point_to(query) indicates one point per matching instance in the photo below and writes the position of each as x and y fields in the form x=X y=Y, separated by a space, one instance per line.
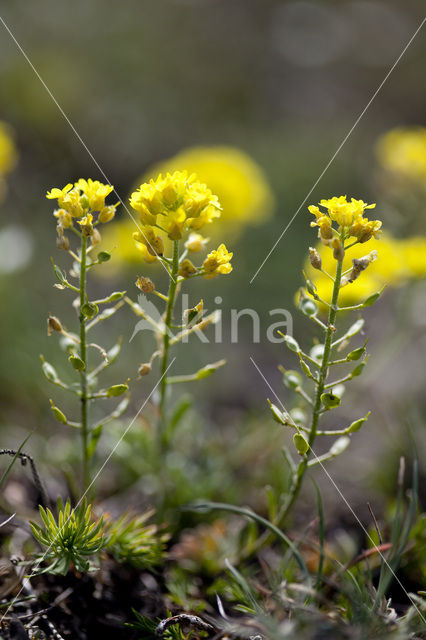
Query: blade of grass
x=254 y=516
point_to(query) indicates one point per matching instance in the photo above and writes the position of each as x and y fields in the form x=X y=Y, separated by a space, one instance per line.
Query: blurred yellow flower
x=414 y=255
x=240 y=186
x=397 y=262
x=239 y=183
x=8 y=152
x=402 y=151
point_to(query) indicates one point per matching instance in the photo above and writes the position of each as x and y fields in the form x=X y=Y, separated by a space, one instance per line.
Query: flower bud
x=338 y=250
x=315 y=258
x=145 y=284
x=53 y=324
x=186 y=269
x=300 y=443
x=144 y=369
x=106 y=214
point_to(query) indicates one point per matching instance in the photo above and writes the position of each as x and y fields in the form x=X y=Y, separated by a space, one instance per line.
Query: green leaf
x=104 y=256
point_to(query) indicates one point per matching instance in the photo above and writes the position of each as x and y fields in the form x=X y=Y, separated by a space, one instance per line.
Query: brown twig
x=184 y=619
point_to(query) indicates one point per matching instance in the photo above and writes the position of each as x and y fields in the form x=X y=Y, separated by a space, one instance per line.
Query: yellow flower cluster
x=238 y=181
x=402 y=151
x=172 y=206
x=175 y=203
x=81 y=200
x=347 y=215
x=398 y=262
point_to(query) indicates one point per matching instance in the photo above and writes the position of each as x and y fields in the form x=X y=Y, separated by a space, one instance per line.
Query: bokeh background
x=281 y=81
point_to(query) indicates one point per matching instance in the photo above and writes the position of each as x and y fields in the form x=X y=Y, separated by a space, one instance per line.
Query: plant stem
x=166 y=343
x=83 y=373
x=322 y=376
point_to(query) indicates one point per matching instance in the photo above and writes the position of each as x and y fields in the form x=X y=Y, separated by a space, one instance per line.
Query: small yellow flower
x=147 y=237
x=86 y=224
x=107 y=214
x=364 y=229
x=195 y=243
x=95 y=192
x=217 y=262
x=59 y=194
x=83 y=198
x=64 y=218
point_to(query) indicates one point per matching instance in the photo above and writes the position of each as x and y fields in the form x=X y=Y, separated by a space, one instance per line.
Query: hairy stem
x=322 y=376
x=83 y=373
x=166 y=343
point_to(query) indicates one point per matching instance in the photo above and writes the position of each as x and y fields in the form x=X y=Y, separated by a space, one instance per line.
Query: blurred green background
x=143 y=79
